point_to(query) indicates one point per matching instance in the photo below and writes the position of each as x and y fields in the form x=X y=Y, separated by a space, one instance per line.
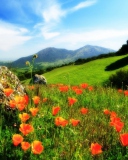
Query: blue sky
x=28 y=26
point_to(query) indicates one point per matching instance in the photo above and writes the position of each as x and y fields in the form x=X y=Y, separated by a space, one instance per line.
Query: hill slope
x=92 y=72
x=51 y=55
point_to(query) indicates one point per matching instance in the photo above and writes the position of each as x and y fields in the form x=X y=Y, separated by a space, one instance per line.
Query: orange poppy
x=37 y=147
x=36 y=99
x=21 y=107
x=55 y=110
x=106 y=111
x=24 y=117
x=34 y=111
x=84 y=110
x=84 y=85
x=119 y=126
x=71 y=101
x=20 y=100
x=90 y=88
x=120 y=90
x=124 y=139
x=25 y=145
x=17 y=139
x=12 y=104
x=59 y=121
x=116 y=122
x=126 y=93
x=96 y=148
x=26 y=128
x=74 y=122
x=45 y=99
x=26 y=99
x=63 y=88
x=113 y=114
x=74 y=88
x=8 y=91
x=78 y=91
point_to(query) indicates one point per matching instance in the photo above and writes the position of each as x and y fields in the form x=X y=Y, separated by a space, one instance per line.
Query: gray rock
x=39 y=79
x=9 y=80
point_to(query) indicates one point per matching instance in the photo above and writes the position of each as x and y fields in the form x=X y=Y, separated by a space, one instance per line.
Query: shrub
x=119 y=79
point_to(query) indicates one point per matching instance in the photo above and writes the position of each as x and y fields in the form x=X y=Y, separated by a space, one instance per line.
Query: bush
x=119 y=79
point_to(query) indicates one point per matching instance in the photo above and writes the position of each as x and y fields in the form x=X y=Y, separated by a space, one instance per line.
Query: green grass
x=68 y=142
x=92 y=72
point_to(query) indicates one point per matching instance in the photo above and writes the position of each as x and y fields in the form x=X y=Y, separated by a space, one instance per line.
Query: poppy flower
x=106 y=111
x=24 y=117
x=71 y=101
x=63 y=88
x=26 y=99
x=113 y=114
x=37 y=147
x=21 y=107
x=17 y=139
x=90 y=88
x=96 y=148
x=74 y=88
x=114 y=120
x=84 y=110
x=78 y=91
x=25 y=145
x=34 y=111
x=120 y=90
x=55 y=110
x=12 y=104
x=74 y=122
x=59 y=121
x=119 y=126
x=124 y=139
x=84 y=85
x=8 y=91
x=45 y=99
x=126 y=93
x=26 y=128
x=20 y=100
x=36 y=99
x=116 y=123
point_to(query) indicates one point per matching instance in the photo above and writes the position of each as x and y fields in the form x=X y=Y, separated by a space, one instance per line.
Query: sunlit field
x=65 y=122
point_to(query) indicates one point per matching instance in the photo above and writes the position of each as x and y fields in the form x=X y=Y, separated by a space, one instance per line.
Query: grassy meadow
x=65 y=122
x=92 y=72
x=72 y=118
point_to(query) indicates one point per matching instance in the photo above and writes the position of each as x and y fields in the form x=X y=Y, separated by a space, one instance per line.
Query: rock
x=39 y=79
x=9 y=80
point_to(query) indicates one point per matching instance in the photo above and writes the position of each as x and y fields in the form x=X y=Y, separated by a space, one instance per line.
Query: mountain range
x=52 y=55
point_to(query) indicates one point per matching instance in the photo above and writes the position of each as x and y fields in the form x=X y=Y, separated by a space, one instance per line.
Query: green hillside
x=92 y=72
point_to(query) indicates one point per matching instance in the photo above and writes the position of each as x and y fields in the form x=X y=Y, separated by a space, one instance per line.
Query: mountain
x=91 y=51
x=52 y=54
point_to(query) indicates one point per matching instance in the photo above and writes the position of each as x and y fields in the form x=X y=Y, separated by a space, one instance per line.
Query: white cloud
x=83 y=5
x=23 y=30
x=11 y=36
x=53 y=13
x=49 y=35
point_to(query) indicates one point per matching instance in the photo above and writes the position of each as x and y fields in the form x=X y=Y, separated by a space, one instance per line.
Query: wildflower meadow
x=65 y=122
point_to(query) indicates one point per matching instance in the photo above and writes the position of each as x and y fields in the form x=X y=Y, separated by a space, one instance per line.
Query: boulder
x=39 y=79
x=9 y=80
